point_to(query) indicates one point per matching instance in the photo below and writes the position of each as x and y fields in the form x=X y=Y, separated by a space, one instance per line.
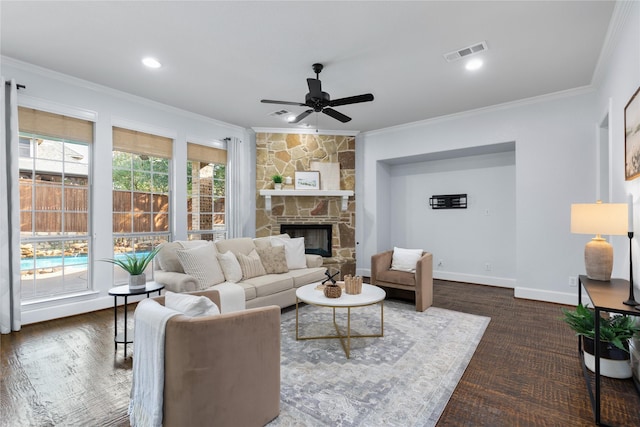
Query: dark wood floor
x=525 y=371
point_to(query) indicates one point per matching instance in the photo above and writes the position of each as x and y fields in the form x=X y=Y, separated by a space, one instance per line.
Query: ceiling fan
x=320 y=101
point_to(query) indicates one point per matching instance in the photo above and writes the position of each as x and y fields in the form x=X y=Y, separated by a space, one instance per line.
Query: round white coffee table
x=370 y=295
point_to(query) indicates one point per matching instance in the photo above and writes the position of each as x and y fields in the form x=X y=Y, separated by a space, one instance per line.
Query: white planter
x=138 y=281
x=277 y=186
x=611 y=368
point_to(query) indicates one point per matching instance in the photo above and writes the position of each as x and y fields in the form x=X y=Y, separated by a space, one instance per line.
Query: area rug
x=402 y=379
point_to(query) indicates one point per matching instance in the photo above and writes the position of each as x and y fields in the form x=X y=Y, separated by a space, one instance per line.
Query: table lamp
x=599 y=219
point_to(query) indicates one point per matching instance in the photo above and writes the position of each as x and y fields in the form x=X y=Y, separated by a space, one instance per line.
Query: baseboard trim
x=567 y=298
x=502 y=282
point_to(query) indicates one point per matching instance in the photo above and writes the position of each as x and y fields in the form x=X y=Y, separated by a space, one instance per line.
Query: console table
x=607 y=297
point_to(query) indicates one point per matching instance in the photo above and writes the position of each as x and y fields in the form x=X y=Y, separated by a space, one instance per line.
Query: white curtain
x=9 y=211
x=235 y=161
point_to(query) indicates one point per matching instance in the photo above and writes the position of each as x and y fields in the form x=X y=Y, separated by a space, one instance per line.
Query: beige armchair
x=420 y=282
x=222 y=370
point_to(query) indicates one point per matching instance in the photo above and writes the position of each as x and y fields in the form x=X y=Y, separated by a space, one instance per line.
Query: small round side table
x=124 y=291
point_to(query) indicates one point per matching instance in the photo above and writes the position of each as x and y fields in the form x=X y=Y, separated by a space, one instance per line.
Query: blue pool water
x=56 y=261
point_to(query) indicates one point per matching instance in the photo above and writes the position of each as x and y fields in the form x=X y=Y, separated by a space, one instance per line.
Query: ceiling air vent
x=466 y=51
x=280 y=113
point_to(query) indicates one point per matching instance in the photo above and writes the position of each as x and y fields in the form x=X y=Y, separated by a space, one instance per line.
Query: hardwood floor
x=525 y=372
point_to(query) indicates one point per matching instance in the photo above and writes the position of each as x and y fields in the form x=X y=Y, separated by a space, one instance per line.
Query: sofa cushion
x=265 y=242
x=307 y=275
x=405 y=259
x=249 y=290
x=273 y=259
x=400 y=277
x=293 y=250
x=167 y=258
x=230 y=266
x=251 y=265
x=240 y=245
x=201 y=263
x=191 y=305
x=270 y=283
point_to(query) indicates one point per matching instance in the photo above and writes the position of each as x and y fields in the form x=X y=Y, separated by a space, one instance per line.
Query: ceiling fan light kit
x=320 y=102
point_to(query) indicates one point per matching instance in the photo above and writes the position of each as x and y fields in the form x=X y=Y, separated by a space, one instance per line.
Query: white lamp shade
x=599 y=218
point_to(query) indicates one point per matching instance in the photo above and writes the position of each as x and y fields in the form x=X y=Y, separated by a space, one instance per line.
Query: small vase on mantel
x=277 y=186
x=137 y=281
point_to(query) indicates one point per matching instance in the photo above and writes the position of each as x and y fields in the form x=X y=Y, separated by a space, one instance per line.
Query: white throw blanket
x=145 y=407
x=231 y=297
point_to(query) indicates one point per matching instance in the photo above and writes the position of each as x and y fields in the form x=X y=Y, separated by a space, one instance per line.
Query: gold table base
x=346 y=347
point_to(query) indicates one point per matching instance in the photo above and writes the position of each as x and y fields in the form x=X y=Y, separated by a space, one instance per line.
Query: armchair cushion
x=405 y=259
x=190 y=305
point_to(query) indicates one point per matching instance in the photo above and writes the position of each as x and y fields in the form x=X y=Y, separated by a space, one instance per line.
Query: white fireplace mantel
x=345 y=194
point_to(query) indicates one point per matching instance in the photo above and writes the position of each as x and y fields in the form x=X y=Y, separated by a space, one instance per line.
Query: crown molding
x=306 y=131
x=621 y=13
x=484 y=110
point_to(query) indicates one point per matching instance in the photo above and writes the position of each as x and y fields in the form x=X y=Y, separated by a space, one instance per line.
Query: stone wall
x=286 y=153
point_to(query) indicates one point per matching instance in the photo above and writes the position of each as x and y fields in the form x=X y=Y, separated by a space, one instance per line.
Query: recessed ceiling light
x=473 y=64
x=151 y=62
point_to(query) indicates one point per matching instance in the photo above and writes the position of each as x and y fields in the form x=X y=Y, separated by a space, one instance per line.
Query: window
x=141 y=197
x=54 y=188
x=206 y=190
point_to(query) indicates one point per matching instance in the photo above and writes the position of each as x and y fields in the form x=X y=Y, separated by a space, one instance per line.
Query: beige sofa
x=267 y=289
x=222 y=370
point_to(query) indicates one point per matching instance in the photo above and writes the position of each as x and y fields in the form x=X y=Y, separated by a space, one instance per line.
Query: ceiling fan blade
x=315 y=88
x=351 y=100
x=301 y=116
x=336 y=115
x=270 y=101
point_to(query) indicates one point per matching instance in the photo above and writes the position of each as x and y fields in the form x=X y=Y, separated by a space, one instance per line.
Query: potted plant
x=615 y=333
x=277 y=181
x=135 y=266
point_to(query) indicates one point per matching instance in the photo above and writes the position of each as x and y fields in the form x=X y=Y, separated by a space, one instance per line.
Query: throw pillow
x=230 y=266
x=201 y=263
x=190 y=305
x=405 y=259
x=250 y=265
x=293 y=250
x=273 y=259
x=167 y=258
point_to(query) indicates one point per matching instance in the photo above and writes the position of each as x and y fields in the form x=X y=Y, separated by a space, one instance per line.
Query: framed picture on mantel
x=632 y=137
x=307 y=180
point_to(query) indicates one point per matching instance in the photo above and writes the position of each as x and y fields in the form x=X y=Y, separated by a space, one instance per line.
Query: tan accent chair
x=222 y=370
x=420 y=282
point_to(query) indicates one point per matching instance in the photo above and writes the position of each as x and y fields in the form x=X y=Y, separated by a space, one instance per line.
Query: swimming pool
x=57 y=261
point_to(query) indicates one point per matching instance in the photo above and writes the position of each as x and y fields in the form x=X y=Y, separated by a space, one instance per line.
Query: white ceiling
x=220 y=58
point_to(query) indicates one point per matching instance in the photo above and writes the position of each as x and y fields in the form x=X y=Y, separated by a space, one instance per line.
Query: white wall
x=59 y=93
x=554 y=155
x=618 y=81
x=453 y=236
x=556 y=165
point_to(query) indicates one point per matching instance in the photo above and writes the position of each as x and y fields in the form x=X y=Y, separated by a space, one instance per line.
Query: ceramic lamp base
x=598 y=259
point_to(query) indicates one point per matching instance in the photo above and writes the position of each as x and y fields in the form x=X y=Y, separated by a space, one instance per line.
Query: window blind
x=132 y=141
x=204 y=154
x=54 y=125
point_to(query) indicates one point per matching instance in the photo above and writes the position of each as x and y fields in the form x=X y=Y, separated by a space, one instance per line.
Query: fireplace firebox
x=317 y=237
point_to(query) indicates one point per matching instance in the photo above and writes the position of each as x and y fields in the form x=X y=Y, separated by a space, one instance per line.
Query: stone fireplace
x=286 y=153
